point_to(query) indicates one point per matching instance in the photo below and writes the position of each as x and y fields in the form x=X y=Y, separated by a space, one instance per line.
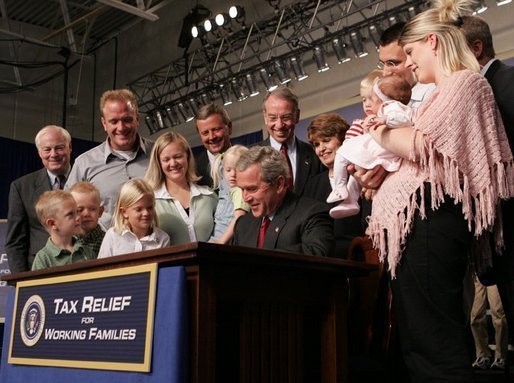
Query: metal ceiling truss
x=226 y=57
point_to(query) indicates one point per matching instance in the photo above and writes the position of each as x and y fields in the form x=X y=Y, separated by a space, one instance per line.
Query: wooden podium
x=255 y=315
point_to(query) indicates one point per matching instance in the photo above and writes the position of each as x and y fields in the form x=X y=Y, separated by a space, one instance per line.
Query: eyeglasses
x=390 y=64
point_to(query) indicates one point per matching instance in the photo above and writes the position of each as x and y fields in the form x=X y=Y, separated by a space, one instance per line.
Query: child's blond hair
x=49 y=203
x=216 y=171
x=86 y=188
x=369 y=80
x=131 y=192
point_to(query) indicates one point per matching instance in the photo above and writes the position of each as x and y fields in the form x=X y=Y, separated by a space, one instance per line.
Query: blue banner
x=72 y=320
x=170 y=343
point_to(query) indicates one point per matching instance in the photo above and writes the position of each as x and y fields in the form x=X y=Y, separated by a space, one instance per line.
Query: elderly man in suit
x=281 y=114
x=280 y=219
x=214 y=127
x=501 y=79
x=25 y=234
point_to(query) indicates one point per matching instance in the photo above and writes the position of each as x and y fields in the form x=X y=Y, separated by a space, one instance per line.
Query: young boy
x=57 y=212
x=90 y=209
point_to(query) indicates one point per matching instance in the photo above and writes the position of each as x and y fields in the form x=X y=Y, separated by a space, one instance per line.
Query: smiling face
x=140 y=216
x=280 y=118
x=54 y=152
x=325 y=148
x=421 y=59
x=262 y=197
x=394 y=60
x=214 y=133
x=120 y=122
x=174 y=162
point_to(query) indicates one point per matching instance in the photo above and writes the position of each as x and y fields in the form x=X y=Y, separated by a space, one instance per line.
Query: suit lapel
x=495 y=66
x=42 y=183
x=279 y=221
x=303 y=167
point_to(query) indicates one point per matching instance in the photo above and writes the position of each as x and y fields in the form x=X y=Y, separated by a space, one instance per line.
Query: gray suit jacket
x=25 y=234
x=300 y=225
x=307 y=163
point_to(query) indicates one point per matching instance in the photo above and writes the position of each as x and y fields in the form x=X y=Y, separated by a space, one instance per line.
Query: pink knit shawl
x=466 y=156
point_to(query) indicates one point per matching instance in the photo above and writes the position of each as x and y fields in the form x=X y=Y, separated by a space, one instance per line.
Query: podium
x=254 y=315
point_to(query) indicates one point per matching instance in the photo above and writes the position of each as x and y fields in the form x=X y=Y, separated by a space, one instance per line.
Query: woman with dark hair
x=326 y=134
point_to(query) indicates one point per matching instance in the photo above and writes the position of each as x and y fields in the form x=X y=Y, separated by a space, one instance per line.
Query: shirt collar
x=485 y=68
x=196 y=190
x=291 y=144
x=109 y=152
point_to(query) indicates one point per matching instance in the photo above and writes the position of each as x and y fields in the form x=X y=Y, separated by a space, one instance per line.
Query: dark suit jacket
x=307 y=163
x=203 y=168
x=501 y=79
x=300 y=225
x=345 y=229
x=25 y=235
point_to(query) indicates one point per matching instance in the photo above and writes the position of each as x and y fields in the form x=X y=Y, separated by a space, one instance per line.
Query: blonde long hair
x=131 y=192
x=444 y=20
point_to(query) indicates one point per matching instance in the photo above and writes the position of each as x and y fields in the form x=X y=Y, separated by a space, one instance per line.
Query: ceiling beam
x=130 y=9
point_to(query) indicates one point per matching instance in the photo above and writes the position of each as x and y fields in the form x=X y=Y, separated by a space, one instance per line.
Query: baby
x=390 y=97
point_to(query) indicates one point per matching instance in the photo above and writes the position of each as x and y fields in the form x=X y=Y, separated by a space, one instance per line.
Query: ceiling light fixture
x=297 y=66
x=320 y=58
x=358 y=47
x=340 y=50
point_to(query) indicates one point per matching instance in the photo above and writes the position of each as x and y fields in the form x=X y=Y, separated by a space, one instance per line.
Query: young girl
x=230 y=204
x=135 y=224
x=389 y=99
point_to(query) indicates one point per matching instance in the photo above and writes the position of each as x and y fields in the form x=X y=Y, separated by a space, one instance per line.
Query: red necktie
x=289 y=181
x=262 y=232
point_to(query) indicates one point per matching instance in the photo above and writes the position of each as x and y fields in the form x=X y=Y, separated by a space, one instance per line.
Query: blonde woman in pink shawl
x=456 y=168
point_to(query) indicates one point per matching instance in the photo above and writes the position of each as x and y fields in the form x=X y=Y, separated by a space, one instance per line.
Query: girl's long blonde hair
x=131 y=192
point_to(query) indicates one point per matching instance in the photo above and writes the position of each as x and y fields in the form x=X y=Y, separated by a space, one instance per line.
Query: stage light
x=358 y=47
x=266 y=79
x=281 y=72
x=150 y=123
x=238 y=89
x=502 y=2
x=412 y=11
x=250 y=83
x=392 y=20
x=172 y=115
x=297 y=66
x=340 y=50
x=205 y=98
x=221 y=19
x=184 y=111
x=225 y=96
x=375 y=32
x=207 y=25
x=236 y=12
x=320 y=58
x=159 y=119
x=194 y=106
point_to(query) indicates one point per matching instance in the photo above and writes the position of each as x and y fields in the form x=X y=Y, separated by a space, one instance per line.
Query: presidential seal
x=32 y=321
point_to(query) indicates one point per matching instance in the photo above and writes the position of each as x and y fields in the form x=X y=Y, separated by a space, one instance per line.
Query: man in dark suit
x=501 y=79
x=25 y=234
x=281 y=114
x=280 y=219
x=214 y=127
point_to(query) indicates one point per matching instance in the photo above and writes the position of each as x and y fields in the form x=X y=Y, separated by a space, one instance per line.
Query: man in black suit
x=214 y=127
x=25 y=234
x=501 y=79
x=281 y=114
x=280 y=219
